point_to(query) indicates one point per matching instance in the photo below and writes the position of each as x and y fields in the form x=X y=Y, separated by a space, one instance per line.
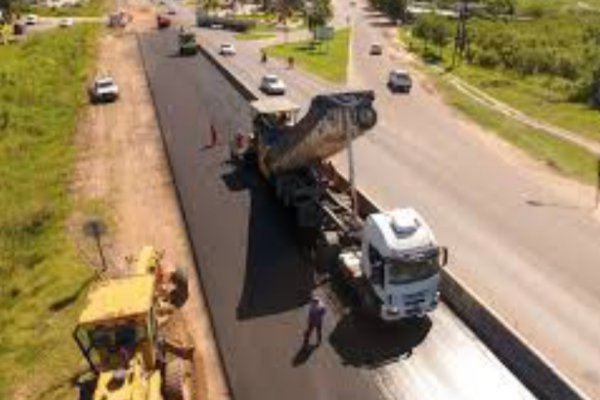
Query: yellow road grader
x=122 y=333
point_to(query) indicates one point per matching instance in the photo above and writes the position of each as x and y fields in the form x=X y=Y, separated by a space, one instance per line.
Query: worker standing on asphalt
x=316 y=314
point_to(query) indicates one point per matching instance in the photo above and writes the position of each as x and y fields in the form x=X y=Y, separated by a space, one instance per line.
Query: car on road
x=399 y=80
x=66 y=22
x=227 y=49
x=376 y=49
x=31 y=19
x=272 y=85
x=163 y=21
x=104 y=90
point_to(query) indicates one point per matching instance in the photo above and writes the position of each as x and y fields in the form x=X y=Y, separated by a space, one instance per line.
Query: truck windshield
x=105 y=84
x=403 y=271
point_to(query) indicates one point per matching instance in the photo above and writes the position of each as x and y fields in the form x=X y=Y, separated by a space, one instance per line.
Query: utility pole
x=460 y=41
x=351 y=174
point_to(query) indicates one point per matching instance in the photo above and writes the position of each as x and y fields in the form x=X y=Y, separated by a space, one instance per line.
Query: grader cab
x=119 y=334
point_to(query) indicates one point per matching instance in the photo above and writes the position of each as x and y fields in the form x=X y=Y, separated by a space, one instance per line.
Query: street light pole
x=351 y=172
x=461 y=30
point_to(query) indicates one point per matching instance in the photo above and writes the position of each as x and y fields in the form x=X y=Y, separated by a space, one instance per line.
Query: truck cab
x=399 y=263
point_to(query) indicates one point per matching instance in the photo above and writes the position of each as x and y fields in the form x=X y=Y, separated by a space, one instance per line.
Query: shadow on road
x=382 y=24
x=276 y=278
x=303 y=354
x=542 y=203
x=365 y=342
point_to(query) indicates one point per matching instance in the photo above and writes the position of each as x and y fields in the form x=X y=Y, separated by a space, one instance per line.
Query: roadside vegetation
x=564 y=157
x=41 y=91
x=254 y=35
x=259 y=32
x=86 y=8
x=549 y=67
x=328 y=59
x=540 y=57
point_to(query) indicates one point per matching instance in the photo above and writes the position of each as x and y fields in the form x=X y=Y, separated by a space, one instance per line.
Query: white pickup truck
x=104 y=90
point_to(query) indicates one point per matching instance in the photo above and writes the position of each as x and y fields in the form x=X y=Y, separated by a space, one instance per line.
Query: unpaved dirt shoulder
x=122 y=172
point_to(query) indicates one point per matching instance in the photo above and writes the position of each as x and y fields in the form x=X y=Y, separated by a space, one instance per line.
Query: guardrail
x=526 y=363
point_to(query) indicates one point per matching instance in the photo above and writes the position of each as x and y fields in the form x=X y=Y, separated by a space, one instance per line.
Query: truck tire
x=176 y=380
x=366 y=117
x=180 y=294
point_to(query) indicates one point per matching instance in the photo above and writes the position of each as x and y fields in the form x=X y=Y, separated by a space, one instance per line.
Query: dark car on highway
x=399 y=80
x=376 y=50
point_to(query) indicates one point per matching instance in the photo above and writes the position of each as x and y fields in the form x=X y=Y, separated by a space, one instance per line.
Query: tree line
x=496 y=35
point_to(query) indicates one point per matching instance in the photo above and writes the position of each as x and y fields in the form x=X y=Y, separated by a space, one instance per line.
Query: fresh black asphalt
x=254 y=278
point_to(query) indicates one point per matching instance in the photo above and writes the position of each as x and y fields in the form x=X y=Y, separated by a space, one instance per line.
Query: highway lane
x=257 y=284
x=254 y=279
x=535 y=265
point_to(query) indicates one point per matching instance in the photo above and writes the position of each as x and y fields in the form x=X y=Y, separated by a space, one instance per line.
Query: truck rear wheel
x=368 y=304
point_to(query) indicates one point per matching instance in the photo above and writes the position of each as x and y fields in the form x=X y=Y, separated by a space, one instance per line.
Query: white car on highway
x=271 y=84
x=227 y=49
x=66 y=22
x=104 y=90
x=31 y=19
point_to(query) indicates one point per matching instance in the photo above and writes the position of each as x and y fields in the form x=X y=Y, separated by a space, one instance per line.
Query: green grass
x=327 y=60
x=254 y=36
x=89 y=8
x=539 y=96
x=526 y=6
x=41 y=91
x=256 y=16
x=567 y=158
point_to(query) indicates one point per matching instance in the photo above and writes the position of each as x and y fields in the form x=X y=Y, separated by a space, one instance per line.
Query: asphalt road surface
x=257 y=283
x=525 y=247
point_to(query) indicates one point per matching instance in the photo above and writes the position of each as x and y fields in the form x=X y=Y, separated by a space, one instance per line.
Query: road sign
x=324 y=33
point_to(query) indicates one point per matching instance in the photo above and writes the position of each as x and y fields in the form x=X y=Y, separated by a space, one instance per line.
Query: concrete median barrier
x=528 y=365
x=240 y=86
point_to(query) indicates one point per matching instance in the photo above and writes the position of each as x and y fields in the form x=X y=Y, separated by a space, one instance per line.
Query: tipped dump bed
x=321 y=133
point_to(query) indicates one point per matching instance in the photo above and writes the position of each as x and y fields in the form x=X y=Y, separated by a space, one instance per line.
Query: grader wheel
x=177 y=380
x=180 y=292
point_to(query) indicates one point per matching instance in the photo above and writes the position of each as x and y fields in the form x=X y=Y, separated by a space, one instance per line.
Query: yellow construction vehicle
x=119 y=334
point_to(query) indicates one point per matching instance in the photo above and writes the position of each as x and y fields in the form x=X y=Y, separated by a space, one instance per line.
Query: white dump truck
x=390 y=258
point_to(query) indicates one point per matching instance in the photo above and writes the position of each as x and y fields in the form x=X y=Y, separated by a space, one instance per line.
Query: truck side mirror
x=443 y=256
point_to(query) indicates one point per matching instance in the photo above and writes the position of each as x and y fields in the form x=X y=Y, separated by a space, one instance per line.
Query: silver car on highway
x=271 y=84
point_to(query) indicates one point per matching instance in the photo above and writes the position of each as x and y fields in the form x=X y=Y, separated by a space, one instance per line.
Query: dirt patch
x=122 y=172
